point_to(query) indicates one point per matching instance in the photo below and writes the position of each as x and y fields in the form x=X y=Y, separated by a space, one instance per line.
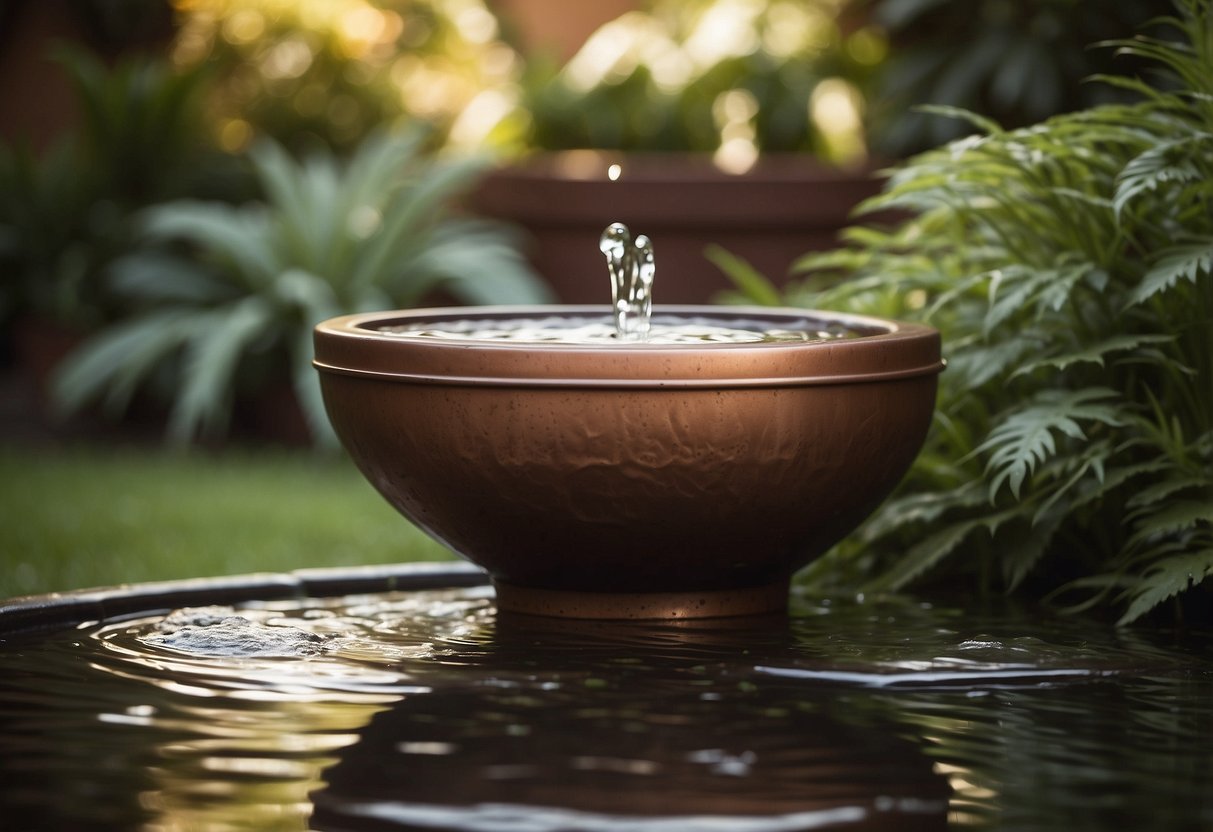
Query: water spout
x=631 y=266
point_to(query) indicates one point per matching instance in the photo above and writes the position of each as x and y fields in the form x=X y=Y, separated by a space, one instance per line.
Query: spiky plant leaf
x=1165 y=579
x=1092 y=354
x=212 y=356
x=1160 y=166
x=1184 y=262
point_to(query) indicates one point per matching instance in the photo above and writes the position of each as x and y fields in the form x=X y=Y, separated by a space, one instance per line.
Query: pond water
x=428 y=710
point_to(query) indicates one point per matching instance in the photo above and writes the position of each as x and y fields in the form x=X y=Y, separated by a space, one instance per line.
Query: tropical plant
x=1069 y=266
x=226 y=296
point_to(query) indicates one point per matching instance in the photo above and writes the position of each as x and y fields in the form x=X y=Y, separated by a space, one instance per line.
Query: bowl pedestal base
x=744 y=601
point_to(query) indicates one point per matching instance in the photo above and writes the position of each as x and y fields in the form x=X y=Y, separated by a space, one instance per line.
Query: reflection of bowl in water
x=633 y=758
x=632 y=480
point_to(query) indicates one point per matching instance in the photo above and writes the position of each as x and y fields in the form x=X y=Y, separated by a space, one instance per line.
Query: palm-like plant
x=1069 y=266
x=222 y=291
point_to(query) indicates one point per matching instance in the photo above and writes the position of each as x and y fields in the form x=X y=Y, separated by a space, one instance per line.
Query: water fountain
x=676 y=476
x=633 y=463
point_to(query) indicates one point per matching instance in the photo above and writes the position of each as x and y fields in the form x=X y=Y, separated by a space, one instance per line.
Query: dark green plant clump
x=222 y=298
x=65 y=216
x=1016 y=62
x=1069 y=266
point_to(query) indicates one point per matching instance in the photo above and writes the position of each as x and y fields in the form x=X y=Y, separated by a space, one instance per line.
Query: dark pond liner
x=57 y=610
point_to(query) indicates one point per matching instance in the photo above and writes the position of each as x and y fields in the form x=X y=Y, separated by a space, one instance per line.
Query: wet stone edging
x=63 y=609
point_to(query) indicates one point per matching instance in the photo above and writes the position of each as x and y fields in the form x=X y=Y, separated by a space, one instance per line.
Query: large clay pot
x=782 y=208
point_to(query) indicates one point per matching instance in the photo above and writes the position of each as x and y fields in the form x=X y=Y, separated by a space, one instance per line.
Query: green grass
x=87 y=517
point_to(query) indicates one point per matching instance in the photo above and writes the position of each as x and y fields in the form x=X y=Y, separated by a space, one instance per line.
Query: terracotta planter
x=783 y=208
x=557 y=26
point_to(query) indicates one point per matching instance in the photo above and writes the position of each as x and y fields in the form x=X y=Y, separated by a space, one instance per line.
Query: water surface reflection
x=427 y=710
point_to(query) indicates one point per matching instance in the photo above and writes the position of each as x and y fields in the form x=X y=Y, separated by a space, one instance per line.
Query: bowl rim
x=350 y=345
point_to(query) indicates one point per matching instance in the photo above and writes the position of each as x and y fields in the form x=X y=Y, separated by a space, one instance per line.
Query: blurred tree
x=328 y=73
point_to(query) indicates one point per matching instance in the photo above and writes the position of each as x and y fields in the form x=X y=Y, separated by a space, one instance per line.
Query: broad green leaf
x=405 y=217
x=112 y=363
x=476 y=262
x=156 y=277
x=217 y=342
x=238 y=238
x=306 y=383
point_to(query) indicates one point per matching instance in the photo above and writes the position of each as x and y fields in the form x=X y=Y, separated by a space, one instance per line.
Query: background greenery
x=1069 y=266
x=87 y=516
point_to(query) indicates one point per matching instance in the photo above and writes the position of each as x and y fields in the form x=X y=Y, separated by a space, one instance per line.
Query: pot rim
x=888 y=350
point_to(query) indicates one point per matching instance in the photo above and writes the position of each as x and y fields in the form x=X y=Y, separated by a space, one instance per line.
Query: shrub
x=1069 y=266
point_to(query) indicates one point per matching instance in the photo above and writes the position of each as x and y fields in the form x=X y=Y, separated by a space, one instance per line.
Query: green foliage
x=685 y=76
x=330 y=73
x=225 y=297
x=65 y=216
x=1069 y=266
x=1017 y=62
x=87 y=517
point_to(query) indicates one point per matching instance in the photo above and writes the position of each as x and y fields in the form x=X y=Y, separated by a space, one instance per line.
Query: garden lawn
x=86 y=517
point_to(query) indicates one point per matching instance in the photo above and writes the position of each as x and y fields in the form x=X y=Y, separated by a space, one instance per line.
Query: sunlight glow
x=835 y=108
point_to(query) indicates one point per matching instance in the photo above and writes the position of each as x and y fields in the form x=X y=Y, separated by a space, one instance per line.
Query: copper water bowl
x=632 y=480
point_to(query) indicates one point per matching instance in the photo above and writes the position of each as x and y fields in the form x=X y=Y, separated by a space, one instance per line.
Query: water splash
x=631 y=265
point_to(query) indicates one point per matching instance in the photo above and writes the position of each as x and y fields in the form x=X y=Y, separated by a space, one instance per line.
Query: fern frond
x=1093 y=354
x=1184 y=262
x=1028 y=436
x=1162 y=165
x=1166 y=579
